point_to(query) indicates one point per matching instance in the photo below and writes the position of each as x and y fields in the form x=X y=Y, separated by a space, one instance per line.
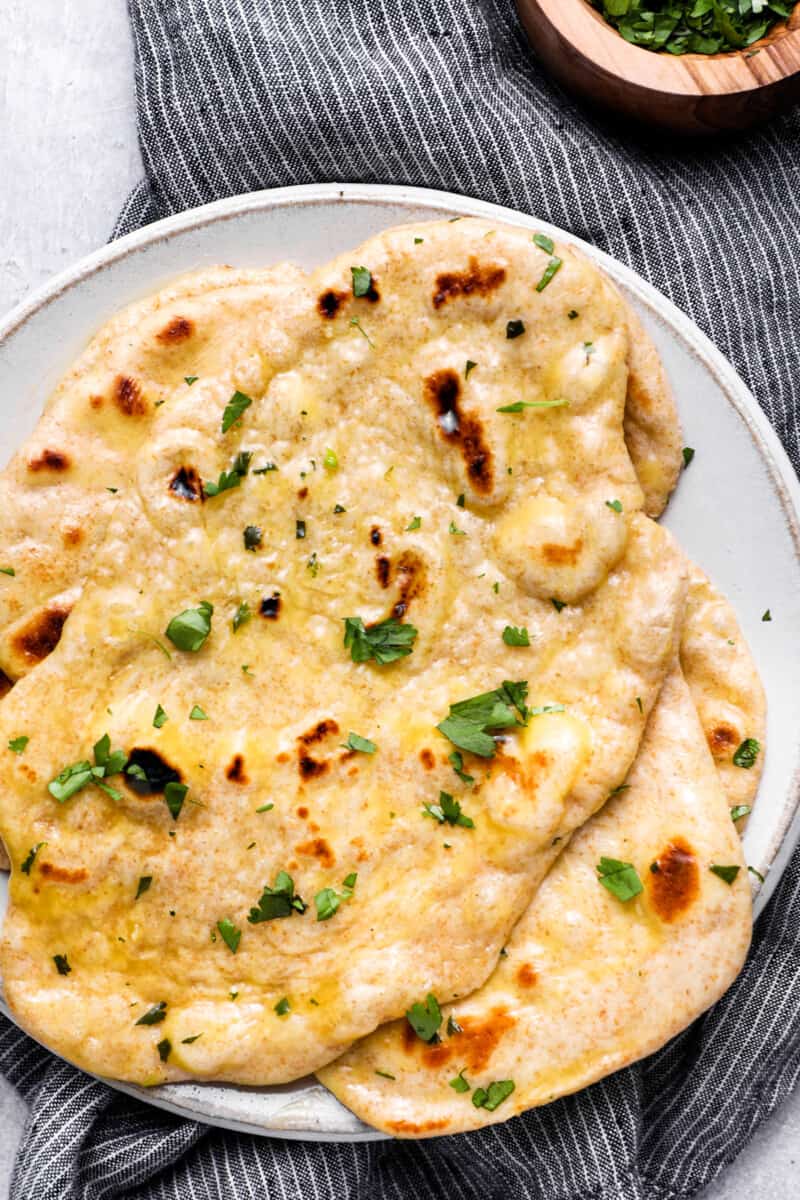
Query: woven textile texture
x=235 y=95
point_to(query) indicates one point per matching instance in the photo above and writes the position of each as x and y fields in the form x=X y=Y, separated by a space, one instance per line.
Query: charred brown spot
x=271 y=606
x=442 y=390
x=330 y=302
x=63 y=874
x=157 y=772
x=562 y=556
x=473 y=1047
x=41 y=635
x=186 y=484
x=418 y=1126
x=96 y=401
x=675 y=884
x=72 y=536
x=283 y=757
x=427 y=759
x=302 y=493
x=722 y=739
x=526 y=976
x=179 y=329
x=310 y=768
x=321 y=730
x=375 y=535
x=5 y=685
x=525 y=773
x=128 y=397
x=49 y=460
x=476 y=280
x=317 y=848
x=302 y=812
x=235 y=770
x=412 y=578
x=383 y=569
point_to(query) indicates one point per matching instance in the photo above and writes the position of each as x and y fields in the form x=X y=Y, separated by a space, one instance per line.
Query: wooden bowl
x=688 y=93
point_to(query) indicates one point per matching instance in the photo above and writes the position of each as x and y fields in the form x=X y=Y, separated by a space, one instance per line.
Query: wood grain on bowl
x=688 y=93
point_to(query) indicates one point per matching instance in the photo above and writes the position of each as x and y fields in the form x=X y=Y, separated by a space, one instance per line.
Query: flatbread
x=60 y=488
x=370 y=426
x=588 y=984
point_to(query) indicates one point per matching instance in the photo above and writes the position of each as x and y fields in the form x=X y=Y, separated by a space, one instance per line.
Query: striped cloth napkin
x=235 y=95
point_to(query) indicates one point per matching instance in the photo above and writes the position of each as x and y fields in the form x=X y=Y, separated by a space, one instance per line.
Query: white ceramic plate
x=736 y=511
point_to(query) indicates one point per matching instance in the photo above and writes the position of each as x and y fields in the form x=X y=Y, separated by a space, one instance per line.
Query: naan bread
x=60 y=488
x=588 y=983
x=371 y=426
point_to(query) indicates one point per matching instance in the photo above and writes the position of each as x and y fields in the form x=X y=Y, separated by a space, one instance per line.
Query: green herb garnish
x=7 y=571
x=164 y=1049
x=154 y=1015
x=197 y=714
x=278 y=901
x=77 y=775
x=459 y=1084
x=17 y=745
x=362 y=281
x=234 y=409
x=492 y=1097
x=448 y=810
x=384 y=642
x=688 y=455
x=619 y=878
x=515 y=329
x=520 y=405
x=283 y=1007
x=229 y=479
x=615 y=504
x=174 y=796
x=144 y=886
x=550 y=270
x=230 y=935
x=189 y=630
x=425 y=1019
x=241 y=616
x=469 y=722
x=693 y=26
x=543 y=242
x=160 y=719
x=30 y=858
x=514 y=636
x=470 y=366
x=413 y=524
x=252 y=537
x=739 y=811
x=727 y=874
x=62 y=966
x=747 y=753
x=362 y=744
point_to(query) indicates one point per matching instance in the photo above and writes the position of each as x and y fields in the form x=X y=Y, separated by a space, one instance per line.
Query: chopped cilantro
x=241 y=616
x=283 y=1007
x=757 y=874
x=747 y=753
x=234 y=409
x=413 y=524
x=513 y=636
x=355 y=322
x=299 y=530
x=154 y=1015
x=615 y=504
x=230 y=935
x=688 y=455
x=164 y=1049
x=767 y=616
x=160 y=718
x=384 y=642
x=362 y=744
x=557 y=604
x=425 y=1019
x=278 y=901
x=385 y=1074
x=362 y=281
x=455 y=530
x=30 y=858
x=550 y=270
x=7 y=571
x=17 y=745
x=253 y=537
x=468 y=724
x=459 y=1084
x=265 y=808
x=197 y=714
x=330 y=462
x=190 y=379
x=188 y=1041
x=520 y=405
x=492 y=1097
x=267 y=467
x=515 y=329
x=543 y=242
x=727 y=874
x=189 y=630
x=573 y=313
x=229 y=479
x=448 y=810
x=62 y=966
x=739 y=811
x=619 y=878
x=77 y=775
x=469 y=366
x=144 y=886
x=174 y=796
x=457 y=763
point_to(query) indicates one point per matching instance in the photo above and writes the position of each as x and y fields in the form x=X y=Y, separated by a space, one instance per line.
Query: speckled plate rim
x=337 y=1123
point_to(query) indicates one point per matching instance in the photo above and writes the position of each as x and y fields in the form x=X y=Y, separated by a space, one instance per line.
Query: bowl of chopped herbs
x=691 y=66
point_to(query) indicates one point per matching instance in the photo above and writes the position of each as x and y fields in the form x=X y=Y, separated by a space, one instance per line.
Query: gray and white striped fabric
x=235 y=95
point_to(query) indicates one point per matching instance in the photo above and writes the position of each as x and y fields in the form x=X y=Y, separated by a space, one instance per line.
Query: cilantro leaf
x=448 y=810
x=457 y=763
x=229 y=479
x=241 y=616
x=515 y=329
x=144 y=886
x=174 y=796
x=252 y=537
x=426 y=1018
x=619 y=878
x=492 y=1097
x=30 y=858
x=384 y=642
x=550 y=270
x=189 y=630
x=362 y=744
x=62 y=966
x=17 y=745
x=197 y=714
x=160 y=719
x=278 y=901
x=283 y=1007
x=739 y=811
x=459 y=1084
x=230 y=935
x=234 y=409
x=727 y=874
x=513 y=636
x=154 y=1015
x=520 y=405
x=747 y=753
x=362 y=281
x=470 y=721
